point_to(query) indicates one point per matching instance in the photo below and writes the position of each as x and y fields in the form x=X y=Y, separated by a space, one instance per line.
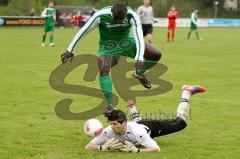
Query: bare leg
x=44 y=38
x=51 y=39
x=168 y=35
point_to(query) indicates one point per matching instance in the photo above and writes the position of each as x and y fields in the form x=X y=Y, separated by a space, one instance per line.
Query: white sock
x=186 y=94
x=183 y=110
x=134 y=113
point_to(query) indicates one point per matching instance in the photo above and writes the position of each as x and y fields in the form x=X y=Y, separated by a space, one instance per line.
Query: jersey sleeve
x=92 y=23
x=44 y=13
x=103 y=137
x=139 y=10
x=147 y=142
x=138 y=36
x=153 y=19
x=54 y=16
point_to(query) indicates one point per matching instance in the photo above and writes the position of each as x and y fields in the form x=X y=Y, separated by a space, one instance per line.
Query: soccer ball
x=93 y=127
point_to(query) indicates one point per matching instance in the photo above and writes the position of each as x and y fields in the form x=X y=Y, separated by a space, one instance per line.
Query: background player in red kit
x=172 y=16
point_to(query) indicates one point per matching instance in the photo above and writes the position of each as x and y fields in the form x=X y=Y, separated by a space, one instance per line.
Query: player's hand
x=111 y=145
x=66 y=55
x=129 y=147
x=139 y=66
x=115 y=145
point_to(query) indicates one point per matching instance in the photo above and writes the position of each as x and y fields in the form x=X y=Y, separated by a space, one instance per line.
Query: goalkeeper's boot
x=194 y=89
x=142 y=79
x=43 y=44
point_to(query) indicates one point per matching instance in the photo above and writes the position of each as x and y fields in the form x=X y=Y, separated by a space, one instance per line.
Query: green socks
x=44 y=38
x=189 y=34
x=197 y=35
x=51 y=38
x=106 y=86
x=147 y=65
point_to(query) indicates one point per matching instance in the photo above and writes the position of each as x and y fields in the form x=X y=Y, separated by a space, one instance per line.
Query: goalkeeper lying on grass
x=137 y=135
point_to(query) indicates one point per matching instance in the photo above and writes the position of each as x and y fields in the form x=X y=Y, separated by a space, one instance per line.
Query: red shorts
x=172 y=25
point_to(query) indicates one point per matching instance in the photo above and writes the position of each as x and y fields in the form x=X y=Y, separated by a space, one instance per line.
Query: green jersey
x=194 y=18
x=114 y=35
x=50 y=16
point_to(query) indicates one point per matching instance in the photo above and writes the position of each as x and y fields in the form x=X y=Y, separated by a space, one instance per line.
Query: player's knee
x=152 y=53
x=104 y=69
x=158 y=55
x=182 y=124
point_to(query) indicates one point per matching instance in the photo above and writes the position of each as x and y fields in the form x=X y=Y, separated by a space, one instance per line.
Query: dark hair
x=117 y=115
x=119 y=11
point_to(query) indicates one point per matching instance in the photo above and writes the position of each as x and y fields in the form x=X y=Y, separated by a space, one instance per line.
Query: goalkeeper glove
x=130 y=147
x=111 y=145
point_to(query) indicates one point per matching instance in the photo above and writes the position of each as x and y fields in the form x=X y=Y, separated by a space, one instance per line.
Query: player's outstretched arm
x=109 y=145
x=150 y=150
x=91 y=146
x=138 y=36
x=130 y=147
x=44 y=13
x=92 y=23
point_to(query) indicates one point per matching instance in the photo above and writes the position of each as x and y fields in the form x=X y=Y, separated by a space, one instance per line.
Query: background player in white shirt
x=145 y=13
x=137 y=135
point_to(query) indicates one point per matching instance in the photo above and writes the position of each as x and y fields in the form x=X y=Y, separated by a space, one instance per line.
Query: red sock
x=172 y=35
x=168 y=35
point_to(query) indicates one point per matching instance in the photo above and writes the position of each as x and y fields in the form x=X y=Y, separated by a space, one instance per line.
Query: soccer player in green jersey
x=114 y=23
x=49 y=22
x=194 y=25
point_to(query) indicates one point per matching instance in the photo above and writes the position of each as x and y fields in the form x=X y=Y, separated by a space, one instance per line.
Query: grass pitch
x=29 y=127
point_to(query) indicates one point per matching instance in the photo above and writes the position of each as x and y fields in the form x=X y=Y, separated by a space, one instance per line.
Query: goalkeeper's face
x=118 y=128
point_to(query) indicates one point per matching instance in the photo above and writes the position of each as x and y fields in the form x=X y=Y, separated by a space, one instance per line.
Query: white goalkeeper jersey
x=138 y=134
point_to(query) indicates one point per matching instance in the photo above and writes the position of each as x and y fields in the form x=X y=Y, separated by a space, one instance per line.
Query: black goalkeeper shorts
x=147 y=29
x=163 y=127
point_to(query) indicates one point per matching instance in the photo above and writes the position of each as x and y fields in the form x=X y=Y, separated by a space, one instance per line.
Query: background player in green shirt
x=194 y=25
x=49 y=22
x=114 y=23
